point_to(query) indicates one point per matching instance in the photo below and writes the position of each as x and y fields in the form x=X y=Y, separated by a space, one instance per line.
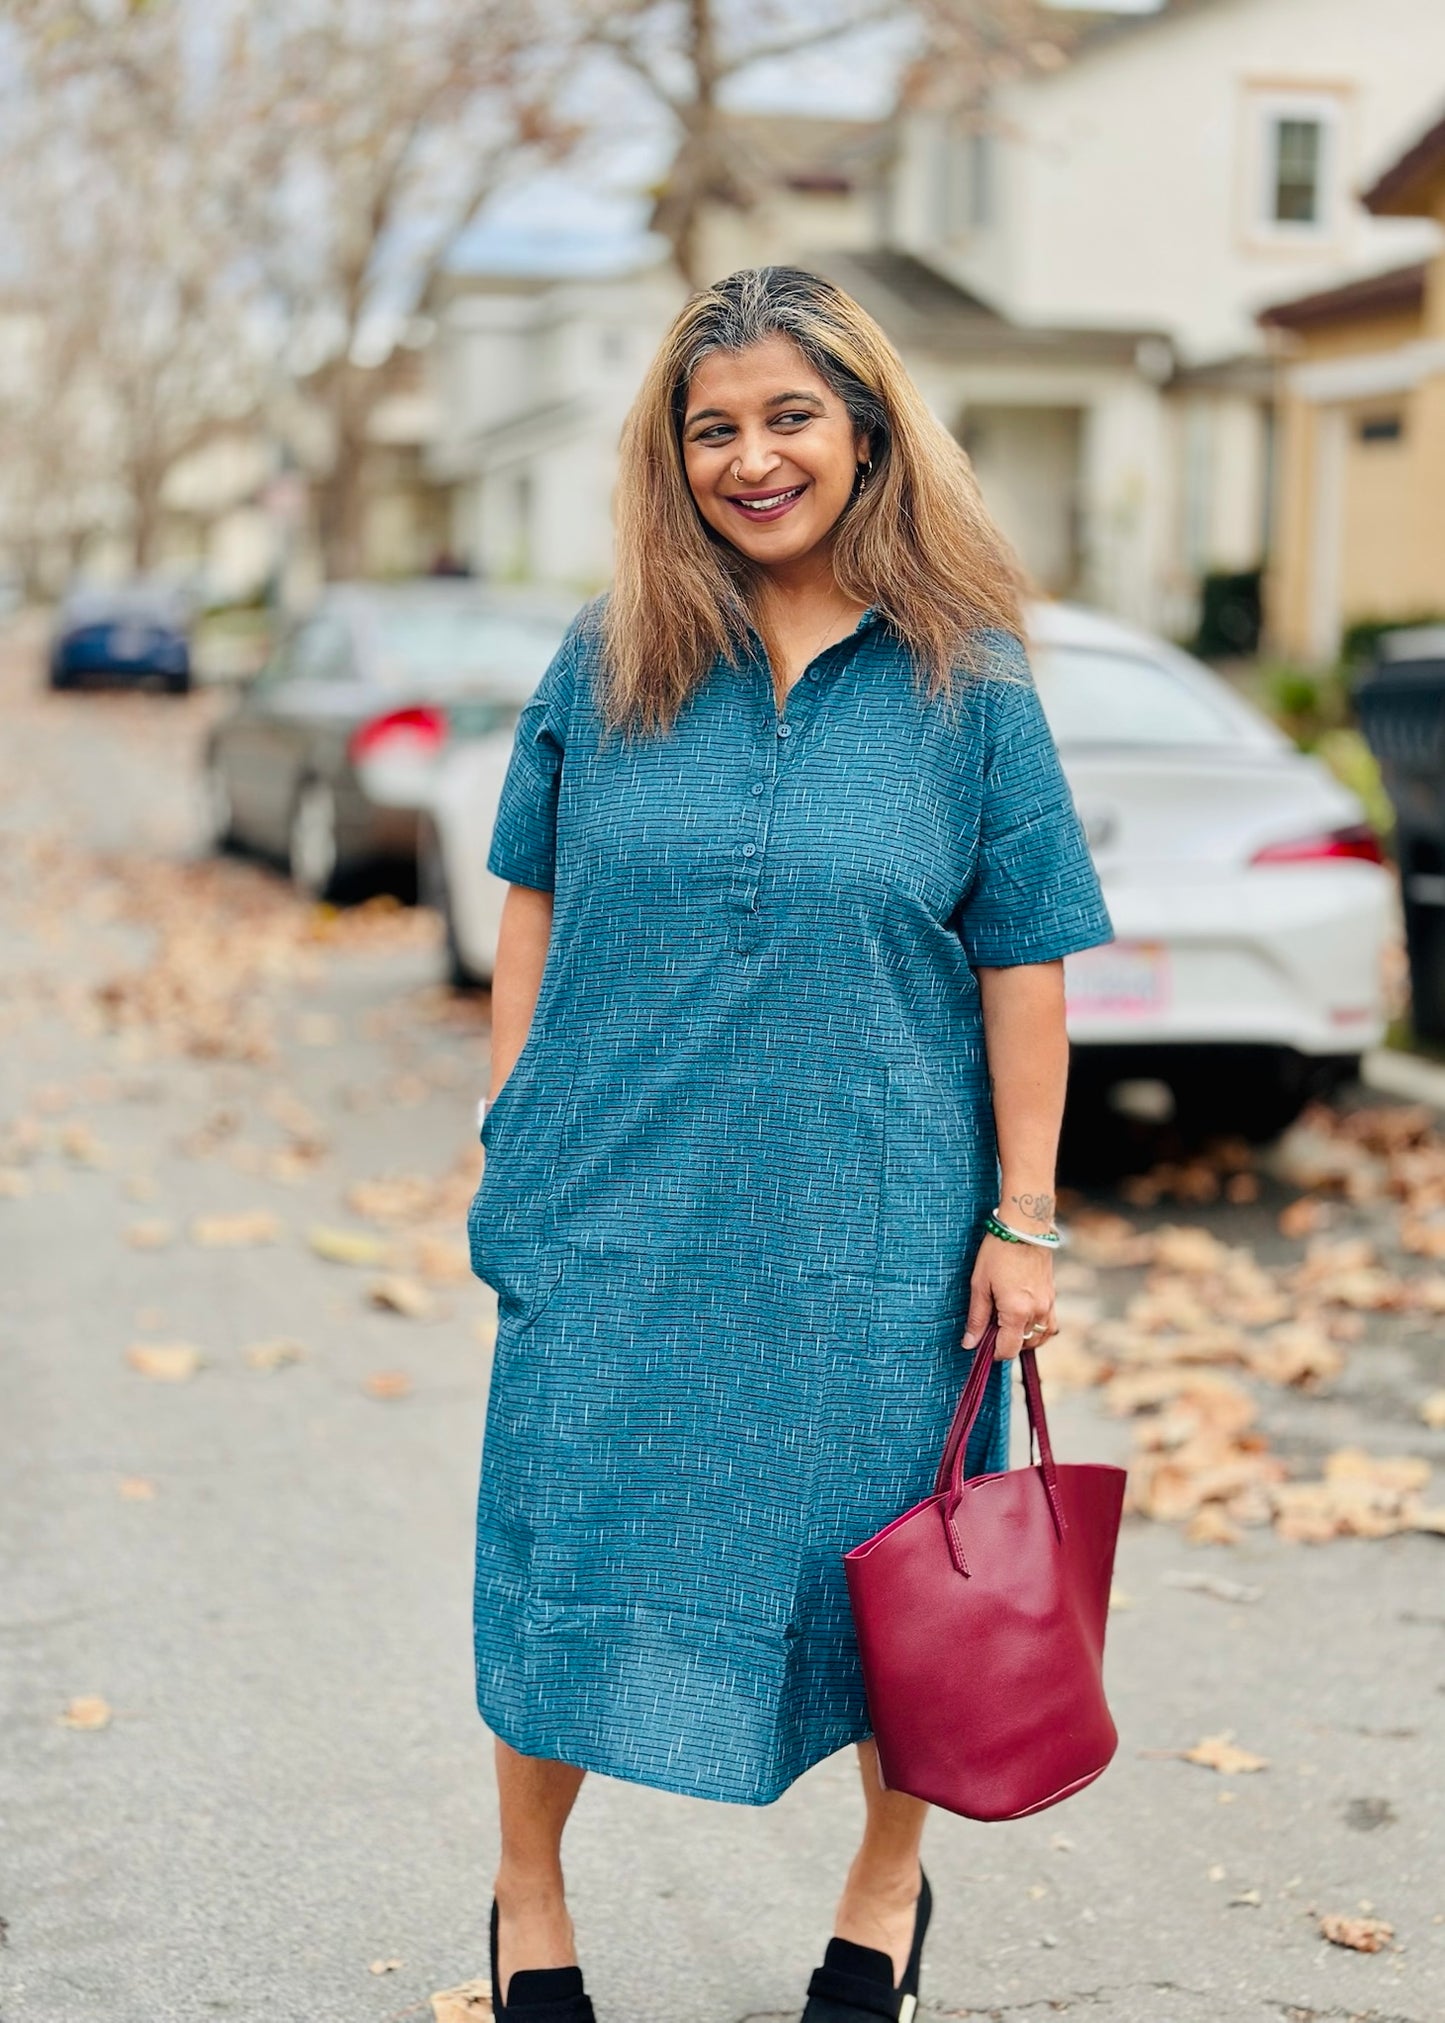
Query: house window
x=1298 y=164
x=1381 y=428
x=1298 y=158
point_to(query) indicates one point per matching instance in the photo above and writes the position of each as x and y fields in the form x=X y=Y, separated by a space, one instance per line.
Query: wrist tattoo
x=1037 y=1207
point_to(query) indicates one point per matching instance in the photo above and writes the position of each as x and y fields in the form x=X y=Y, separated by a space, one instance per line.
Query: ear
x=863 y=447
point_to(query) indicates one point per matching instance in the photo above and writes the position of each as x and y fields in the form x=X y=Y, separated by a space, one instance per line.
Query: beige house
x=1360 y=509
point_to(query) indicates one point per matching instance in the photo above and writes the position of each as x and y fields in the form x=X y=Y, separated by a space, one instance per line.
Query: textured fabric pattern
x=734 y=1186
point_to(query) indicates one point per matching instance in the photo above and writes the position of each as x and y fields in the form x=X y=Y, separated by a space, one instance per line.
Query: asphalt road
x=263 y=1572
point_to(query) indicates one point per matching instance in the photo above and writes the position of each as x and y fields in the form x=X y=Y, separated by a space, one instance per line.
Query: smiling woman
x=778 y=1006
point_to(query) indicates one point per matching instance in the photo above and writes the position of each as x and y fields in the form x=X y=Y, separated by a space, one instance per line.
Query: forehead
x=733 y=379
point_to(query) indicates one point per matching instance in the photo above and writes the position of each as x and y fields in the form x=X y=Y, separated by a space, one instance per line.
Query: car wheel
x=432 y=890
x=178 y=684
x=1254 y=1098
x=60 y=677
x=220 y=810
x=311 y=847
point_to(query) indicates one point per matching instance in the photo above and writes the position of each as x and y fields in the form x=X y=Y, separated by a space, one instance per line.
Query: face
x=770 y=453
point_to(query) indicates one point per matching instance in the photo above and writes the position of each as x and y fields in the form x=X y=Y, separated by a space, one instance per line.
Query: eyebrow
x=774 y=400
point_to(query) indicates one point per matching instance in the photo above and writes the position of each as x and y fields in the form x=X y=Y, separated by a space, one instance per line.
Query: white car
x=1250 y=901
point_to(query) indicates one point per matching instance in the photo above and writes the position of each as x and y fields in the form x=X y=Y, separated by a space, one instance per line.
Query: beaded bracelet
x=996 y=1226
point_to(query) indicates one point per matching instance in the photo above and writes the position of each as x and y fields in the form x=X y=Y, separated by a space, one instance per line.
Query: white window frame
x=1268 y=110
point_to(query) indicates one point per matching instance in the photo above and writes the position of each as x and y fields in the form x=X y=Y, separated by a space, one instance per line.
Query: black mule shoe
x=540 y=1994
x=855 y=1983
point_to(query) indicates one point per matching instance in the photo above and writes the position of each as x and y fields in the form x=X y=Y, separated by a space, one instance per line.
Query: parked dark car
x=328 y=758
x=122 y=632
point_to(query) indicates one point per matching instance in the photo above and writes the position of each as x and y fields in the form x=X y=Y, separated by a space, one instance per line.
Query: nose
x=753 y=459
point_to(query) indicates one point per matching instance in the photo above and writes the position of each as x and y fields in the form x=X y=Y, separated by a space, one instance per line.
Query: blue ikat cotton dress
x=733 y=1186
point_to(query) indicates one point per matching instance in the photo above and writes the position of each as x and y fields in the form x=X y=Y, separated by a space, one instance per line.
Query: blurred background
x=318 y=324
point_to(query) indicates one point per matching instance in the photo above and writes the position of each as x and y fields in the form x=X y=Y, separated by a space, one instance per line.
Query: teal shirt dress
x=734 y=1185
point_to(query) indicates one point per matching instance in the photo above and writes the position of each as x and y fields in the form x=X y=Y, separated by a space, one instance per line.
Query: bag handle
x=950 y=1467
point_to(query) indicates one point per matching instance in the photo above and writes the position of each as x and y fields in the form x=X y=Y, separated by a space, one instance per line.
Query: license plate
x=1128 y=979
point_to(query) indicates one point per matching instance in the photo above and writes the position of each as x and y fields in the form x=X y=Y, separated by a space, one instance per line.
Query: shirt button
x=785 y=730
x=756 y=787
x=750 y=849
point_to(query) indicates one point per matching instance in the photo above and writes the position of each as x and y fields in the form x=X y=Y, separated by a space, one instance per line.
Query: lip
x=765 y=516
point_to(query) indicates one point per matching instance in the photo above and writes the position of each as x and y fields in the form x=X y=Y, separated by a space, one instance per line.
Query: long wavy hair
x=917 y=541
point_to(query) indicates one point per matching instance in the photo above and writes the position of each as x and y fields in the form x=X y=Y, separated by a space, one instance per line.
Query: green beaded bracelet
x=996 y=1227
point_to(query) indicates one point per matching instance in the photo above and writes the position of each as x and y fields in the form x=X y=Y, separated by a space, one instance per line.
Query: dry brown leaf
x=1219 y=1752
x=387 y=1384
x=153 y=1234
x=14 y=1184
x=273 y=1355
x=1361 y=1935
x=397 y=1295
x=1421 y=1236
x=1390 y=1474
x=1211 y=1526
x=400 y=1197
x=1296 y=1353
x=136 y=1489
x=79 y=1143
x=1432 y=1411
x=1304 y=1217
x=471 y=2003
x=236 y=1232
x=1241 y=1189
x=447 y=1260
x=87 y=1712
x=348 y=1246
x=164 y=1362
x=1427 y=1520
x=384 y=1966
x=1099 y=1238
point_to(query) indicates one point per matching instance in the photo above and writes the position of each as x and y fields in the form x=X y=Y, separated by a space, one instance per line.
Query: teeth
x=767 y=505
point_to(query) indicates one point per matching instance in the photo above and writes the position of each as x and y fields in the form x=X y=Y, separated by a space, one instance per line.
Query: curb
x=1406 y=1075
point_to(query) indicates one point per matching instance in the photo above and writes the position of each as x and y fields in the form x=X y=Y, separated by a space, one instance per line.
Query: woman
x=792 y=869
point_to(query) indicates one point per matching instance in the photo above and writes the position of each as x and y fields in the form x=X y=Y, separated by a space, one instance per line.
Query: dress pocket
x=510 y=1218
x=940 y=1175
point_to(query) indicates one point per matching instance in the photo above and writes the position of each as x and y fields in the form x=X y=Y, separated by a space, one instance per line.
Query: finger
x=1012 y=1320
x=980 y=1312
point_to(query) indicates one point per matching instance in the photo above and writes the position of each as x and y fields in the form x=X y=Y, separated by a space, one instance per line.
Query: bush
x=1362 y=639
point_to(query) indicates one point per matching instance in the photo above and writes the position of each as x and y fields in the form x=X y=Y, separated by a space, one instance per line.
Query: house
x=1072 y=266
x=1361 y=494
x=1180 y=171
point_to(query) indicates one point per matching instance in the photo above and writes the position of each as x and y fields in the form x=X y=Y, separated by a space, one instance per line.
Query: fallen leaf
x=485 y=1331
x=387 y=1384
x=398 y=1295
x=1432 y=1411
x=348 y=1246
x=384 y=1966
x=1215 y=1584
x=14 y=1185
x=1303 y=1217
x=1219 y=1752
x=79 y=1142
x=236 y=1232
x=1212 y=1526
x=471 y=2003
x=87 y=1711
x=1251 y=1898
x=164 y=1362
x=273 y=1355
x=1361 y=1935
x=151 y=1235
x=136 y=1489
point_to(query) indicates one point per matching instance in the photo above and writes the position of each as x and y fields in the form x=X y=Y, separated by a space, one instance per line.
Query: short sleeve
x=524 y=839
x=1035 y=895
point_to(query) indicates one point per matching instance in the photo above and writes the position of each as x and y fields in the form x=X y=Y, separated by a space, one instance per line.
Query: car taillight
x=419 y=729
x=1359 y=842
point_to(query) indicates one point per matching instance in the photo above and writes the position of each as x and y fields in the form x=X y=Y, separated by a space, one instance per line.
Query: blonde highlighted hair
x=917 y=541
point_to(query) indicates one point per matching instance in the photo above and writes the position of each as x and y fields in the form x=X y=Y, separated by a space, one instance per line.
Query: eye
x=714 y=434
x=787 y=420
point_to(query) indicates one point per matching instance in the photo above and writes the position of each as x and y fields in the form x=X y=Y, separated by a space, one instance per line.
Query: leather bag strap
x=949 y=1477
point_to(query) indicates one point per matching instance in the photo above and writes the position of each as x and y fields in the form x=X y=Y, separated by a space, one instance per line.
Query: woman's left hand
x=1015 y=1281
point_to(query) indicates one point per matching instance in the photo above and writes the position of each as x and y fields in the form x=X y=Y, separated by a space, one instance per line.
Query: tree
x=376 y=129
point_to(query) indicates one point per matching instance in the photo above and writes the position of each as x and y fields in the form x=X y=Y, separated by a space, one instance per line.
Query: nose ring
x=738 y=469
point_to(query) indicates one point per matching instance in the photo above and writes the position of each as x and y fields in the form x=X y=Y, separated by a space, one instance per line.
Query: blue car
x=123 y=632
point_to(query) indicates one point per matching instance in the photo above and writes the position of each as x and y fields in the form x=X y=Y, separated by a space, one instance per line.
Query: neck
x=791 y=589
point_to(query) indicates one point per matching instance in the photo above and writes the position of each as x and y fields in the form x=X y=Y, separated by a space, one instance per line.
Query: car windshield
x=104 y=603
x=1101 y=696
x=451 y=648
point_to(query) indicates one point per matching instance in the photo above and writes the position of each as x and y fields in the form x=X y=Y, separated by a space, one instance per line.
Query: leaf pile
x=1210 y=1317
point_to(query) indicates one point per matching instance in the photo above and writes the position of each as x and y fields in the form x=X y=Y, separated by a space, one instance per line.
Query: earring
x=865 y=472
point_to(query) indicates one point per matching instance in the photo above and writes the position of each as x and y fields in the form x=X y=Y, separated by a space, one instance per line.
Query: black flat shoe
x=540 y=1994
x=855 y=1983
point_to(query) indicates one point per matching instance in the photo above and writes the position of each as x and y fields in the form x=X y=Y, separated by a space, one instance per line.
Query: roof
x=1412 y=186
x=1401 y=288
x=922 y=309
x=1110 y=27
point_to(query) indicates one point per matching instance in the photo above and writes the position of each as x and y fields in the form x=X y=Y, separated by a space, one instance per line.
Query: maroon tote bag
x=980 y=1616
